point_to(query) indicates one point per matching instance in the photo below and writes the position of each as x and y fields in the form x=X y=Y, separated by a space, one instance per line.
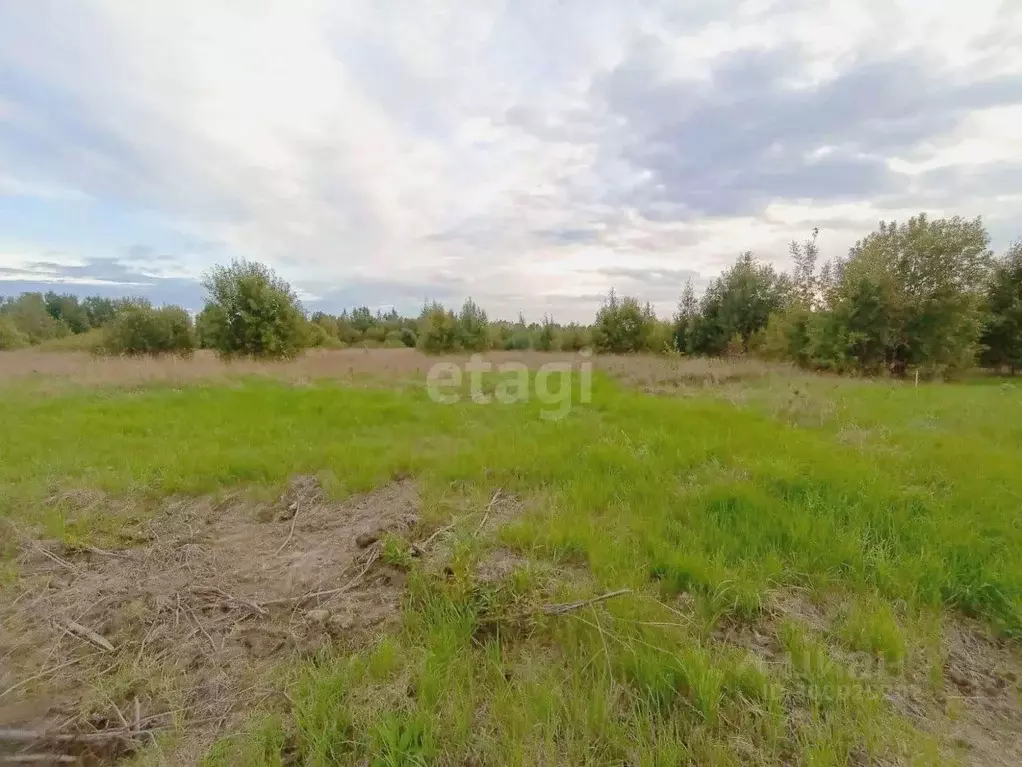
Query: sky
x=531 y=154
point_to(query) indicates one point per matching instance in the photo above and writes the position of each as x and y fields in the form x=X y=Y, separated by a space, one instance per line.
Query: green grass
x=705 y=508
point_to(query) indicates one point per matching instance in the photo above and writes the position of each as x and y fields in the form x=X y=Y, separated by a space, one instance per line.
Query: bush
x=473 y=327
x=10 y=336
x=29 y=314
x=623 y=325
x=250 y=311
x=93 y=341
x=438 y=330
x=141 y=329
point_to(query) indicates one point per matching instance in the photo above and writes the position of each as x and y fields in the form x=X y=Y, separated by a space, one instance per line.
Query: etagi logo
x=549 y=384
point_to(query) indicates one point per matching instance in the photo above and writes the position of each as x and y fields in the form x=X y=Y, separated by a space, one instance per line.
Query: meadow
x=709 y=562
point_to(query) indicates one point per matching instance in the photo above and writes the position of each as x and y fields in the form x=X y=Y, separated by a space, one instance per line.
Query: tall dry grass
x=84 y=368
x=653 y=373
x=658 y=374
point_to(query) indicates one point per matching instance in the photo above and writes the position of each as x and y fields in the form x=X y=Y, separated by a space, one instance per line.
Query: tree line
x=925 y=295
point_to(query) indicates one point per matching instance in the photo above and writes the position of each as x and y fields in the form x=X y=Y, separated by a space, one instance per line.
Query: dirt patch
x=975 y=709
x=981 y=685
x=497 y=566
x=100 y=647
x=502 y=508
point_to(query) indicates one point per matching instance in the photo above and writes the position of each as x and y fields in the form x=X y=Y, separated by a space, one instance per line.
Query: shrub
x=438 y=329
x=473 y=327
x=408 y=338
x=250 y=311
x=623 y=325
x=10 y=336
x=29 y=314
x=141 y=329
x=93 y=341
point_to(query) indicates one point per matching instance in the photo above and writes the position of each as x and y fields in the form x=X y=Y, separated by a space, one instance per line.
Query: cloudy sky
x=530 y=153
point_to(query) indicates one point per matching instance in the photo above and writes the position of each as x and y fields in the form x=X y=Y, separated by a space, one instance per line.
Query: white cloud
x=358 y=140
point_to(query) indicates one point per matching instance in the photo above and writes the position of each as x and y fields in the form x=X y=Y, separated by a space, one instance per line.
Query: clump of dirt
x=101 y=647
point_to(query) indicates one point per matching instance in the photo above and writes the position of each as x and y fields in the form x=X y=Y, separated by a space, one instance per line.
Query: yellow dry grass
x=83 y=368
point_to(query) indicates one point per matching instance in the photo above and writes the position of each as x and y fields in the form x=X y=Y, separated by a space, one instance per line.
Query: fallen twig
x=570 y=606
x=117 y=710
x=200 y=627
x=87 y=634
x=232 y=598
x=441 y=531
x=486 y=516
x=301 y=600
x=294 y=519
x=41 y=736
x=105 y=553
x=39 y=759
x=50 y=555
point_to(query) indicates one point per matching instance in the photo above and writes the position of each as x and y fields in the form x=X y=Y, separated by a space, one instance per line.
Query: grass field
x=802 y=569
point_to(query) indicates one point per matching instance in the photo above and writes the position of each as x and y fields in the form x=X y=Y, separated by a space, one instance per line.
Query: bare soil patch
x=982 y=695
x=98 y=648
x=975 y=708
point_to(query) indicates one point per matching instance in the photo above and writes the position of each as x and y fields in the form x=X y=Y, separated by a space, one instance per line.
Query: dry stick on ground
x=105 y=553
x=232 y=598
x=39 y=736
x=349 y=585
x=50 y=555
x=200 y=627
x=39 y=759
x=294 y=519
x=441 y=531
x=570 y=606
x=486 y=516
x=87 y=634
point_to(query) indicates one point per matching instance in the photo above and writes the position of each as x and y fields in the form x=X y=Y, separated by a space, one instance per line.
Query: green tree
x=547 y=337
x=473 y=327
x=622 y=325
x=913 y=293
x=686 y=319
x=65 y=308
x=141 y=329
x=438 y=329
x=739 y=302
x=99 y=311
x=10 y=336
x=252 y=312
x=1002 y=334
x=30 y=316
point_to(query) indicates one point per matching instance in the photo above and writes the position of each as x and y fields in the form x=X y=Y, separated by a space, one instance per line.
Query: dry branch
x=42 y=736
x=231 y=598
x=294 y=519
x=568 y=607
x=441 y=531
x=39 y=759
x=50 y=555
x=486 y=516
x=87 y=634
